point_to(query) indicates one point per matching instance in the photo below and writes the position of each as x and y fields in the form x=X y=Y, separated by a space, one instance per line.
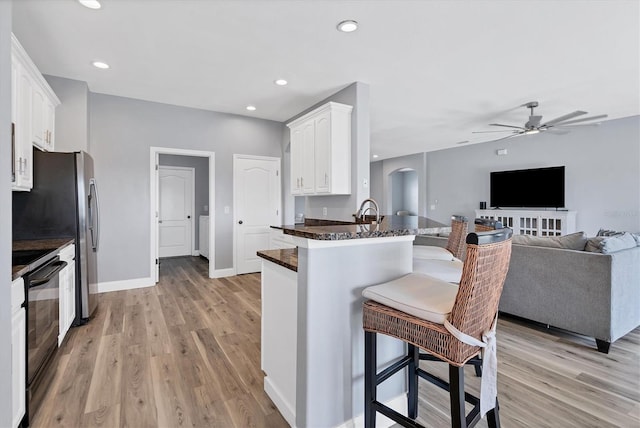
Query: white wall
x=602 y=175
x=5 y=212
x=122 y=132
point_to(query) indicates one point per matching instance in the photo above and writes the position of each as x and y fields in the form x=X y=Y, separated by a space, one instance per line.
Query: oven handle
x=36 y=282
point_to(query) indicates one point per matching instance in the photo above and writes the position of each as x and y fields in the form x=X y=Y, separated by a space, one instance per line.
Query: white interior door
x=176 y=209
x=257 y=207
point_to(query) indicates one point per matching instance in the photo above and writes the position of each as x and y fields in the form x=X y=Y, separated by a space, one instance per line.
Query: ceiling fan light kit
x=534 y=125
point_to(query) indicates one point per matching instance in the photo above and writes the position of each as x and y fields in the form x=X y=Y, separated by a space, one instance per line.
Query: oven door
x=43 y=312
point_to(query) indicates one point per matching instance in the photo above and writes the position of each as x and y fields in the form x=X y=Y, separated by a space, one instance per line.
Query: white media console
x=534 y=222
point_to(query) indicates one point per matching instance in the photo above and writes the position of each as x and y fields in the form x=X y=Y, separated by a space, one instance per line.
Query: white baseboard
x=129 y=284
x=284 y=407
x=399 y=404
x=221 y=273
x=195 y=253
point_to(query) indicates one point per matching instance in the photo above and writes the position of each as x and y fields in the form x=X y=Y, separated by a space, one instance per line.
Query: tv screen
x=528 y=188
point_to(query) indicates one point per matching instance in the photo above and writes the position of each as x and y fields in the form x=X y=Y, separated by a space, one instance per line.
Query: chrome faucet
x=361 y=214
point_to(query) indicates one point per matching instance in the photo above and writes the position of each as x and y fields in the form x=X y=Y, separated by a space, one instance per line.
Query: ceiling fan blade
x=584 y=119
x=563 y=118
x=507 y=126
x=509 y=136
x=486 y=132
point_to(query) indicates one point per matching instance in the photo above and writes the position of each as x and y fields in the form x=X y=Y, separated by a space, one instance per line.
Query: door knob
x=240 y=222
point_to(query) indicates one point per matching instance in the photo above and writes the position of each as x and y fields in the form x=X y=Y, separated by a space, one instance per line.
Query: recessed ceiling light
x=100 y=64
x=91 y=4
x=251 y=108
x=280 y=82
x=348 y=26
x=375 y=156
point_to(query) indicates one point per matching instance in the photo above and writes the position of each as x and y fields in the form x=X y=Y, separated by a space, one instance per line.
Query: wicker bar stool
x=455 y=244
x=485 y=224
x=451 y=323
x=451 y=270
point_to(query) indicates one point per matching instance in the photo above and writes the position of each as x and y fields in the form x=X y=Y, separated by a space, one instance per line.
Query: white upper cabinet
x=33 y=104
x=321 y=151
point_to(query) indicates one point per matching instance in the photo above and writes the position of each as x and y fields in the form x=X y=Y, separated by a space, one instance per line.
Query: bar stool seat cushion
x=432 y=252
x=446 y=270
x=416 y=294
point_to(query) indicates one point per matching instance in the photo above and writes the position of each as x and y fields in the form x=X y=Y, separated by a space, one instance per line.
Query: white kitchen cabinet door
x=49 y=122
x=23 y=147
x=296 y=161
x=307 y=174
x=67 y=287
x=321 y=151
x=18 y=352
x=37 y=117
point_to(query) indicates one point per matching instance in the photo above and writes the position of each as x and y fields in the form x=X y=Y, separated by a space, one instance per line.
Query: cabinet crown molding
x=328 y=106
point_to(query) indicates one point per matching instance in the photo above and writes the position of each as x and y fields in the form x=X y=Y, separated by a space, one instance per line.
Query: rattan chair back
x=486 y=224
x=483 y=275
x=456 y=241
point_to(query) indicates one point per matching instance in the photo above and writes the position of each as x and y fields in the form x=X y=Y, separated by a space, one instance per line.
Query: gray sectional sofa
x=589 y=293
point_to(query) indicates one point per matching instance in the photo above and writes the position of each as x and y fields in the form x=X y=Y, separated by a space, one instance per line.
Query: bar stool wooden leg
x=412 y=381
x=456 y=397
x=370 y=382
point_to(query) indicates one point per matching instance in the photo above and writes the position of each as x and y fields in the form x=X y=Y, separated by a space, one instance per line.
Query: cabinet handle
x=325 y=178
x=301 y=181
x=298 y=183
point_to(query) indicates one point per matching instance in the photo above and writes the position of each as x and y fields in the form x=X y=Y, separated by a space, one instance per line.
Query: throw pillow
x=593 y=244
x=573 y=241
x=611 y=244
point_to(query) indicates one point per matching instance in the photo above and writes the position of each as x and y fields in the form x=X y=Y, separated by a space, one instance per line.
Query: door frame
x=154 y=156
x=237 y=157
x=192 y=249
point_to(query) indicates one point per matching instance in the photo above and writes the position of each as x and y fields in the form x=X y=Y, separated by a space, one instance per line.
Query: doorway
x=176 y=211
x=257 y=206
x=154 y=209
x=404 y=192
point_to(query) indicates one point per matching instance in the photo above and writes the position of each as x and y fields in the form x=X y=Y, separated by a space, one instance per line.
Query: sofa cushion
x=573 y=241
x=612 y=243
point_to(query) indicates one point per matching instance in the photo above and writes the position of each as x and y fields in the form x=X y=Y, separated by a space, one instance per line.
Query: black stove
x=29 y=257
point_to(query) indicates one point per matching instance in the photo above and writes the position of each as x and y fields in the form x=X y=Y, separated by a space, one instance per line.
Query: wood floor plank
x=138 y=407
x=173 y=408
x=188 y=353
x=105 y=383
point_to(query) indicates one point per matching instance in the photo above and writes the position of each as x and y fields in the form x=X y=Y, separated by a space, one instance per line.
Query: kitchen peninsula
x=312 y=339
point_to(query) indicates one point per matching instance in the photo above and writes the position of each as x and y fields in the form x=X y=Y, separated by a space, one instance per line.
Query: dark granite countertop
x=56 y=244
x=389 y=226
x=287 y=257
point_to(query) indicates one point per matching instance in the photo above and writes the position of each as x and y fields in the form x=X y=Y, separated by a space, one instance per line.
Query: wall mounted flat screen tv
x=528 y=188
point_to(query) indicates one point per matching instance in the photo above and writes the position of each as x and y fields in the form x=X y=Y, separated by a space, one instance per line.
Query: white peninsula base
x=312 y=337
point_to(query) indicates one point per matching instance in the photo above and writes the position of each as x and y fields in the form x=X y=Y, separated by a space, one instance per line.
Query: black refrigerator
x=63 y=203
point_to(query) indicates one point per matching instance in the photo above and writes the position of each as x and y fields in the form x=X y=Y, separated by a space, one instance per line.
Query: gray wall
x=602 y=181
x=342 y=207
x=72 y=115
x=122 y=132
x=201 y=191
x=5 y=212
x=381 y=182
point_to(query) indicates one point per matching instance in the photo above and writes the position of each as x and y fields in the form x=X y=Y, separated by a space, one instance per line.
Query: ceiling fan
x=534 y=125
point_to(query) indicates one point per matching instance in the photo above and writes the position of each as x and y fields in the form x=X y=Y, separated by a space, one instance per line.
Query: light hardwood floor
x=187 y=353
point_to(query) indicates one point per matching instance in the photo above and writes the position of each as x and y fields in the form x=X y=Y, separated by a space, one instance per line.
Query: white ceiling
x=437 y=70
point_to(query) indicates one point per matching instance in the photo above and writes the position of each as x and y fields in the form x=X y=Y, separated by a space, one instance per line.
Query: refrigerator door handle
x=94 y=226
